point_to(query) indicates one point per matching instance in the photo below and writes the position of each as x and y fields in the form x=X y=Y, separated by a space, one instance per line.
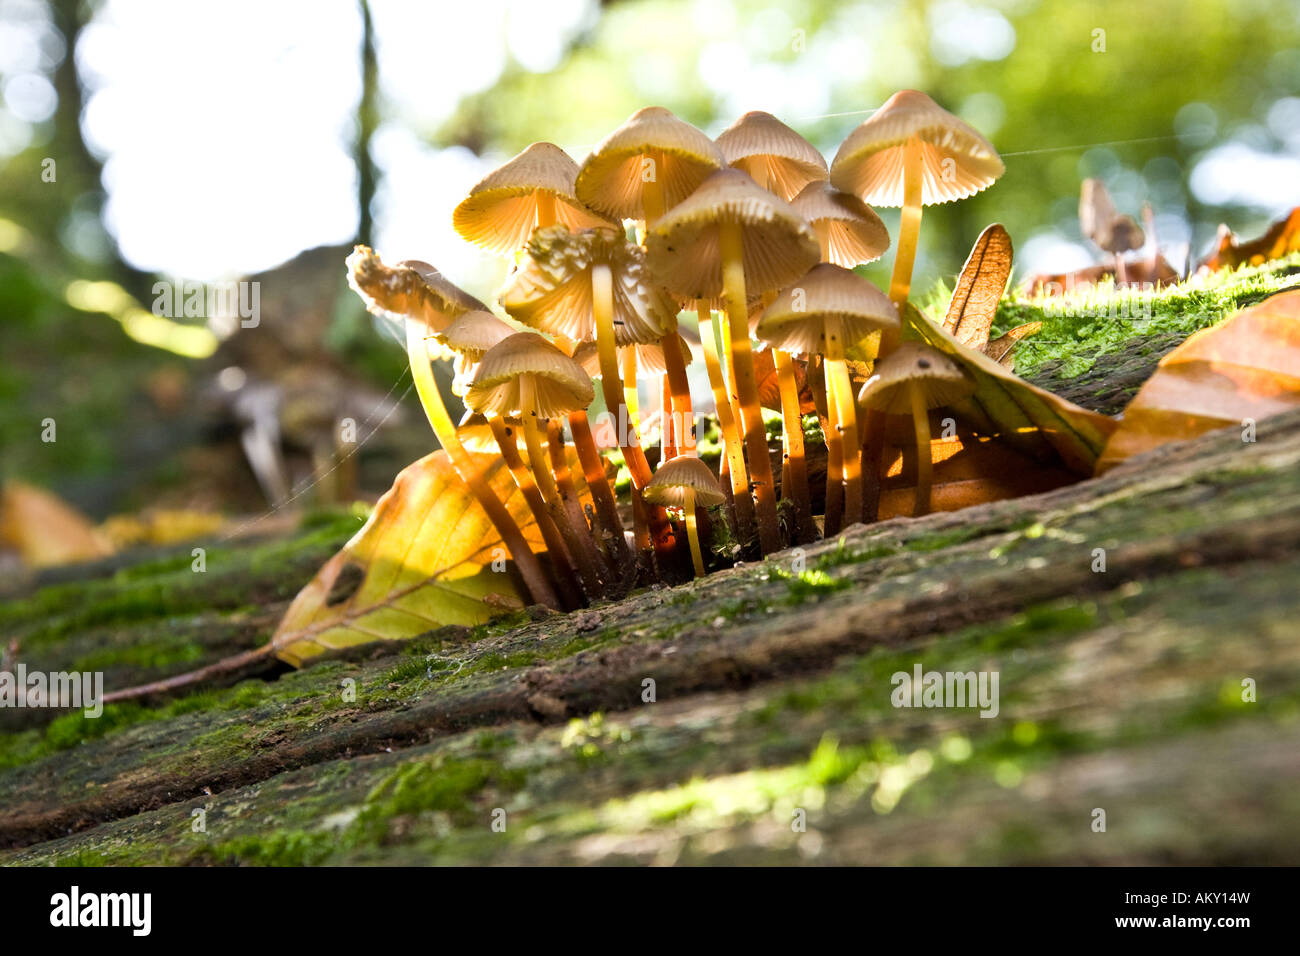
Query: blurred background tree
x=212 y=141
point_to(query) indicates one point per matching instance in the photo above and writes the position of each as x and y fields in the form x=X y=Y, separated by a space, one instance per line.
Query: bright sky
x=226 y=126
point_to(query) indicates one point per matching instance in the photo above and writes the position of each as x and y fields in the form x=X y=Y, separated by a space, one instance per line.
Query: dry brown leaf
x=979 y=288
x=1281 y=239
x=1241 y=370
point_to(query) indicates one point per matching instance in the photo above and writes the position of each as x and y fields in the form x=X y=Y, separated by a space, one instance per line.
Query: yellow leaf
x=44 y=530
x=423 y=560
x=1245 y=368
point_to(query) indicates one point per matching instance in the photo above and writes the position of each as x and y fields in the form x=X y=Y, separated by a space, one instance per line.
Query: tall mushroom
x=912 y=153
x=645 y=167
x=824 y=312
x=428 y=303
x=531 y=191
x=911 y=380
x=593 y=285
x=526 y=375
x=686 y=482
x=730 y=237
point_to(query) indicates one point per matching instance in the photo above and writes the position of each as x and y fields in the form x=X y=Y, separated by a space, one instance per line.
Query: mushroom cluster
x=751 y=241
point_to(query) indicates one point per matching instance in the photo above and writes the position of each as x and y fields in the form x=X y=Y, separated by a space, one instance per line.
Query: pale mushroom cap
x=772 y=153
x=683 y=250
x=942 y=380
x=649 y=356
x=611 y=178
x=796 y=319
x=869 y=163
x=472 y=334
x=500 y=212
x=410 y=289
x=550 y=289
x=669 y=485
x=559 y=384
x=855 y=233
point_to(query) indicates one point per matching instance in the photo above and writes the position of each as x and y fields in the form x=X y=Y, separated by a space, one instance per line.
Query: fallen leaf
x=1043 y=426
x=1281 y=239
x=979 y=288
x=1245 y=368
x=1003 y=349
x=45 y=530
x=423 y=560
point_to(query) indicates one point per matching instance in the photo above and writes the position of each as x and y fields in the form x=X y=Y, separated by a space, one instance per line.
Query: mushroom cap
x=550 y=289
x=1103 y=224
x=669 y=484
x=499 y=213
x=610 y=179
x=870 y=161
x=796 y=319
x=942 y=380
x=683 y=249
x=473 y=333
x=649 y=356
x=855 y=233
x=761 y=145
x=559 y=384
x=409 y=290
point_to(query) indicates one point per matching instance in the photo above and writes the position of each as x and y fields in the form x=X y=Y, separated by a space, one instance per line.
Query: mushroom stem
x=794 y=454
x=1121 y=274
x=741 y=500
x=652 y=189
x=731 y=247
x=579 y=544
x=682 y=417
x=530 y=569
x=602 y=298
x=924 y=471
x=833 y=519
x=846 y=420
x=909 y=226
x=873 y=449
x=545 y=208
x=693 y=533
x=570 y=500
x=631 y=388
x=555 y=546
x=667 y=424
x=602 y=495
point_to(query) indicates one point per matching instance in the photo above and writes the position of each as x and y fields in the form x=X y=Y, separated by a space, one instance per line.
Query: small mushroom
x=774 y=155
x=1103 y=224
x=913 y=153
x=826 y=311
x=467 y=338
x=526 y=375
x=731 y=236
x=849 y=231
x=686 y=482
x=913 y=379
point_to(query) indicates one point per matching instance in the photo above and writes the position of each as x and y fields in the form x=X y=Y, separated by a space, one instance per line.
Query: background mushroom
x=774 y=155
x=913 y=379
x=686 y=482
x=731 y=236
x=848 y=230
x=912 y=153
x=468 y=337
x=1103 y=224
